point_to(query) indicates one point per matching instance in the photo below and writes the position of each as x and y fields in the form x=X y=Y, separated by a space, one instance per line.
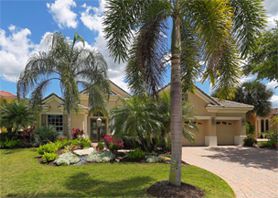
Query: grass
x=22 y=176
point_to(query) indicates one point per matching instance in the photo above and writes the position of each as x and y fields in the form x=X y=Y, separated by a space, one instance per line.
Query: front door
x=95 y=129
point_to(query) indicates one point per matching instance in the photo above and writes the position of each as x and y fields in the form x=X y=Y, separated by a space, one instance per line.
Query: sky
x=25 y=25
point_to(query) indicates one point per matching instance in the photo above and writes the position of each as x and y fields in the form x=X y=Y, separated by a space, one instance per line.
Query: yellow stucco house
x=219 y=122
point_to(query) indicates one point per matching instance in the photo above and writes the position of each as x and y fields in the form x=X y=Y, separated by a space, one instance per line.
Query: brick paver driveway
x=251 y=172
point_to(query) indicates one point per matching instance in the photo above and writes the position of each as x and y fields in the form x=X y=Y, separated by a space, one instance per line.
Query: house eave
x=221 y=109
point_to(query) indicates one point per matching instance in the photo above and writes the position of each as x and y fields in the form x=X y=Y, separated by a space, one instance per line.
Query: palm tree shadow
x=83 y=184
x=249 y=157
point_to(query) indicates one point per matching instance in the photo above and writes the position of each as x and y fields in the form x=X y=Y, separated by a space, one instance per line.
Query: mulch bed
x=164 y=189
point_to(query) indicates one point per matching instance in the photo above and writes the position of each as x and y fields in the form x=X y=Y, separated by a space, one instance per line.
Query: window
x=262 y=125
x=56 y=121
x=266 y=125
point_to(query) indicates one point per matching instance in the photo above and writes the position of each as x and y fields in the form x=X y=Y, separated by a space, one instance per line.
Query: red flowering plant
x=76 y=133
x=112 y=142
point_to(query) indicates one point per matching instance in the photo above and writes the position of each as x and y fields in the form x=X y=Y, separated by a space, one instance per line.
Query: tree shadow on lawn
x=13 y=151
x=83 y=185
x=249 y=157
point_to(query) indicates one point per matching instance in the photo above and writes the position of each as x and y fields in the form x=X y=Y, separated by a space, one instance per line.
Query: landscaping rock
x=82 y=152
x=164 y=158
x=105 y=156
x=152 y=159
x=67 y=159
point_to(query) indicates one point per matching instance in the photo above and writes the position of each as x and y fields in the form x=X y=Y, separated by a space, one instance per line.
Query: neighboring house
x=53 y=112
x=4 y=95
x=220 y=122
x=263 y=124
x=8 y=97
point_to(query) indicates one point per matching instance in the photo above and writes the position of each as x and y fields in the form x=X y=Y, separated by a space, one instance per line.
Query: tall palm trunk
x=69 y=126
x=176 y=104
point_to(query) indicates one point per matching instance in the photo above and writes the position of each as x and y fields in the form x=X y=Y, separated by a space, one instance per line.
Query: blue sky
x=24 y=24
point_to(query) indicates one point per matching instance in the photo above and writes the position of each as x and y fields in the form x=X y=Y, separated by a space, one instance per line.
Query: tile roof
x=6 y=94
x=231 y=104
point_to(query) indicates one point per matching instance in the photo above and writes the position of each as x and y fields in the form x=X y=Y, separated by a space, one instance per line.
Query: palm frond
x=249 y=20
x=148 y=49
x=190 y=56
x=228 y=72
x=39 y=65
x=121 y=17
x=212 y=20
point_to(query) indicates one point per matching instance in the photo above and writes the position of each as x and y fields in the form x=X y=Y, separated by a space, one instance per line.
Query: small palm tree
x=214 y=31
x=147 y=121
x=15 y=115
x=73 y=68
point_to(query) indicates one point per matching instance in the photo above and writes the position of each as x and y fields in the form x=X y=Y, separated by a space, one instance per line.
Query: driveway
x=251 y=172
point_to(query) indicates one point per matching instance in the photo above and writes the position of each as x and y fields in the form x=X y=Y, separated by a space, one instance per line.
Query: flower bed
x=79 y=151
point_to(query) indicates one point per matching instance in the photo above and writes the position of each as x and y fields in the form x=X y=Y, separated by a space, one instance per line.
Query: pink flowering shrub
x=112 y=142
x=76 y=133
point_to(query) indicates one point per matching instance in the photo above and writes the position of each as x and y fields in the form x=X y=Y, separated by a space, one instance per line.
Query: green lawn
x=21 y=175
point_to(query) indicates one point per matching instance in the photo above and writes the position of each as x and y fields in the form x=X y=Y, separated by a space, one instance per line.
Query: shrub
x=26 y=137
x=77 y=133
x=46 y=134
x=49 y=157
x=81 y=142
x=273 y=139
x=136 y=155
x=47 y=148
x=84 y=142
x=7 y=143
x=62 y=143
x=100 y=146
x=250 y=129
x=249 y=141
x=112 y=142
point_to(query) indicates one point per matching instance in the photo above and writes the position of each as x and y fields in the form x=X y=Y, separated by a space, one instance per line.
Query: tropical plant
x=136 y=155
x=49 y=157
x=46 y=134
x=9 y=143
x=47 y=148
x=255 y=93
x=264 y=59
x=73 y=67
x=147 y=121
x=15 y=115
x=76 y=133
x=112 y=142
x=215 y=31
x=249 y=141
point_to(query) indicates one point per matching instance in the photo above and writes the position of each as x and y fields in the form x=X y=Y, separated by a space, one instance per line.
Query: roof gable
x=51 y=97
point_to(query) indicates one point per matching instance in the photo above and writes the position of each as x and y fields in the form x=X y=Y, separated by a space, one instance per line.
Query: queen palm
x=74 y=67
x=217 y=32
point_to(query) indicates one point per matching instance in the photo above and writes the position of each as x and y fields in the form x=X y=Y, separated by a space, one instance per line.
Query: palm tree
x=217 y=32
x=73 y=67
x=147 y=121
x=15 y=115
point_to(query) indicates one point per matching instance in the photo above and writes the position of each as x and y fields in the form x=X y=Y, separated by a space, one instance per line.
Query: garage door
x=225 y=131
x=199 y=135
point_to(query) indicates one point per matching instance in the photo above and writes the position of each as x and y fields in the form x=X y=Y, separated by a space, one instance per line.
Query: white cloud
x=248 y=78
x=62 y=13
x=272 y=85
x=15 y=50
x=274 y=100
x=92 y=18
x=271 y=7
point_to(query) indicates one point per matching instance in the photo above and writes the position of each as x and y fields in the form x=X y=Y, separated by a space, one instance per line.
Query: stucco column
x=239 y=137
x=85 y=125
x=211 y=138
